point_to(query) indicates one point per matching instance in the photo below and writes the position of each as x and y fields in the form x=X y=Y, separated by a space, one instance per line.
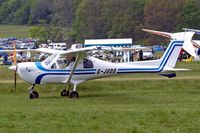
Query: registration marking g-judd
x=161 y=66
x=60 y=72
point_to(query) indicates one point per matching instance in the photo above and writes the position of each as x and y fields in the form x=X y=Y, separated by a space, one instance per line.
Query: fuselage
x=51 y=70
x=39 y=73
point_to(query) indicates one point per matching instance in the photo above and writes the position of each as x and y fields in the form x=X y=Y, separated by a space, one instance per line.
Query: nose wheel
x=32 y=93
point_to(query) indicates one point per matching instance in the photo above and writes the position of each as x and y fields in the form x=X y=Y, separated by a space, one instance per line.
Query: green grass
x=14 y=31
x=127 y=106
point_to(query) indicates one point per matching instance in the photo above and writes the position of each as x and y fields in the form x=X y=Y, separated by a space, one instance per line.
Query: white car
x=148 y=55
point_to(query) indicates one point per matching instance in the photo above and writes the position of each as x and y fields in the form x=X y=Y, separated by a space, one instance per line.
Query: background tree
x=190 y=17
x=45 y=33
x=40 y=10
x=39 y=33
x=63 y=12
x=162 y=15
x=84 y=19
x=88 y=22
x=125 y=23
x=107 y=19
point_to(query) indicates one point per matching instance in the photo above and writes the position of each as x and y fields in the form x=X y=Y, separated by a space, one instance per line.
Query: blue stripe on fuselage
x=39 y=78
x=60 y=72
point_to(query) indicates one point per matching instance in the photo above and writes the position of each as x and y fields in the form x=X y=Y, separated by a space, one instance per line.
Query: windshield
x=49 y=59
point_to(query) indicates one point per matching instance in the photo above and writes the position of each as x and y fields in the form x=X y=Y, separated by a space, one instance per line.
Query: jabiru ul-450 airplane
x=75 y=66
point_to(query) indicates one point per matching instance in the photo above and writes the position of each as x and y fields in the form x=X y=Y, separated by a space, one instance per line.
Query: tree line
x=76 y=20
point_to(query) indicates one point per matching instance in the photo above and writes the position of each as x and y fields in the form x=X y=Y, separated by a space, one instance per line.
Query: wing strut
x=74 y=67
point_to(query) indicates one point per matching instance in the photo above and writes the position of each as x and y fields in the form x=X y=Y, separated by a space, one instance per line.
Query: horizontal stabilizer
x=176 y=69
x=169 y=75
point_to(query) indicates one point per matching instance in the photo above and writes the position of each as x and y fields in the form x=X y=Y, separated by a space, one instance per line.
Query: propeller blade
x=15 y=78
x=14 y=54
x=15 y=63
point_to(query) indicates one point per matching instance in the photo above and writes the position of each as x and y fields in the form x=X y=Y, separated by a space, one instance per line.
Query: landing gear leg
x=33 y=94
x=65 y=92
x=74 y=93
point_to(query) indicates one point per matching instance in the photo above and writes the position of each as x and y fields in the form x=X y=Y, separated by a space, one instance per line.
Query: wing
x=47 y=50
x=17 y=50
x=100 y=48
x=44 y=50
x=77 y=51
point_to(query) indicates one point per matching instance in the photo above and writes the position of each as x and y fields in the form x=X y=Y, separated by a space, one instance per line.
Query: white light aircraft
x=75 y=66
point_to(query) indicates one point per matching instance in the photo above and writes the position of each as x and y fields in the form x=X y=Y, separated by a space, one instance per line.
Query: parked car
x=148 y=55
x=58 y=46
x=27 y=46
x=158 y=48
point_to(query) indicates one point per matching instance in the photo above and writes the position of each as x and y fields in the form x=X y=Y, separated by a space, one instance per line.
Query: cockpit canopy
x=56 y=61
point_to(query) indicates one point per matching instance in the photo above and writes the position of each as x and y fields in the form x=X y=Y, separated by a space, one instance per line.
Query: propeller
x=15 y=64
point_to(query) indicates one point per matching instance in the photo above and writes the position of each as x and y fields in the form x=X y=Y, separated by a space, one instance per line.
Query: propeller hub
x=14 y=68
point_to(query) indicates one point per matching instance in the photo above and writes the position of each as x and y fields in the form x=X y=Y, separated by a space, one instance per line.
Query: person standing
x=141 y=55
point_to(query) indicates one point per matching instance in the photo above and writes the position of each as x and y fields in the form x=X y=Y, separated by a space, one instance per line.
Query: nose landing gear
x=32 y=93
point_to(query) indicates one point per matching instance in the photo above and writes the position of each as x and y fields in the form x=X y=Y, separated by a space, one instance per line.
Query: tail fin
x=170 y=56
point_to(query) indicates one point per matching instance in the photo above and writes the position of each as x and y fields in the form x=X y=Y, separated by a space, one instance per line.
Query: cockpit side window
x=87 y=63
x=64 y=62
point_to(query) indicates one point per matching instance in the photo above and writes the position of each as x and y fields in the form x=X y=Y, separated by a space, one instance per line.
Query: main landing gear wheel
x=64 y=93
x=74 y=94
x=34 y=95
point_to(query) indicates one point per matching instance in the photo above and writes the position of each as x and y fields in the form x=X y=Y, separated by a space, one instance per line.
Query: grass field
x=14 y=31
x=140 y=103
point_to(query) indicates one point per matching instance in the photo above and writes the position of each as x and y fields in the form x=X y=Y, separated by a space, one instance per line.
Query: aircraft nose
x=14 y=68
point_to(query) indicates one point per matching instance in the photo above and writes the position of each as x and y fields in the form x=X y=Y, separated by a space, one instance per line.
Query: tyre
x=64 y=93
x=34 y=95
x=74 y=94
